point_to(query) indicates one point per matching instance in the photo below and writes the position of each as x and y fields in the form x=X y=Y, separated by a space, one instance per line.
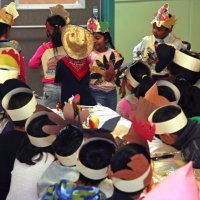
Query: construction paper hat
x=12 y=87
x=59 y=10
x=93 y=25
x=163 y=18
x=77 y=41
x=39 y=141
x=172 y=125
x=168 y=54
x=9 y=63
x=135 y=176
x=8 y=14
x=180 y=184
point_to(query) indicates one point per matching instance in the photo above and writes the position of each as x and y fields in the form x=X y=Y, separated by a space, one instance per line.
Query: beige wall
x=133 y=17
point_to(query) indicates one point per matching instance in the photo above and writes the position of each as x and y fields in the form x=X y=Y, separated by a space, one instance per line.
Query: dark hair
x=108 y=39
x=122 y=157
x=68 y=140
x=56 y=21
x=17 y=101
x=166 y=113
x=96 y=154
x=4 y=28
x=180 y=72
x=28 y=151
x=167 y=92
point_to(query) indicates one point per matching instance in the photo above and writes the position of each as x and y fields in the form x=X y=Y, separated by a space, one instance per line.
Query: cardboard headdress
x=8 y=14
x=167 y=54
x=59 y=10
x=77 y=41
x=134 y=179
x=180 y=184
x=161 y=101
x=170 y=126
x=94 y=174
x=93 y=25
x=39 y=141
x=162 y=17
x=70 y=117
x=20 y=113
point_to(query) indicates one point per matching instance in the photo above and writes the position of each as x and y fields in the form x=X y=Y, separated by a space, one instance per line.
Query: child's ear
x=168 y=138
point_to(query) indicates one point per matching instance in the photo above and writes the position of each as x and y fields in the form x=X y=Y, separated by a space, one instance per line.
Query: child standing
x=49 y=53
x=11 y=58
x=163 y=24
x=72 y=71
x=106 y=62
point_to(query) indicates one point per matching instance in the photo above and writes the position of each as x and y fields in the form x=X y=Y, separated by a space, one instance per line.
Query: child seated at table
x=175 y=129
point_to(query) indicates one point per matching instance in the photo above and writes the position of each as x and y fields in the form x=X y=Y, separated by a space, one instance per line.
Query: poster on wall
x=45 y=4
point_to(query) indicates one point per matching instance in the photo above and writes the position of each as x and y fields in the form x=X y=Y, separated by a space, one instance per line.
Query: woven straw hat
x=77 y=41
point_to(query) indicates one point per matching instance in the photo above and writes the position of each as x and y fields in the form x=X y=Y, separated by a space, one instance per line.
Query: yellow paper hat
x=163 y=17
x=8 y=14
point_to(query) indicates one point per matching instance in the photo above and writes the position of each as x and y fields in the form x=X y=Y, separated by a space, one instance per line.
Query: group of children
x=49 y=156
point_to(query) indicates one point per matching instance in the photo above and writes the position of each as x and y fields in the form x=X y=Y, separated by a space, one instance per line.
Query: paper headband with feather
x=134 y=179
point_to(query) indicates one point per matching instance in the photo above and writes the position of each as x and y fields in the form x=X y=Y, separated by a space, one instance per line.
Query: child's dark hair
x=56 y=21
x=68 y=141
x=4 y=28
x=108 y=39
x=122 y=157
x=167 y=92
x=96 y=154
x=166 y=113
x=28 y=151
x=17 y=101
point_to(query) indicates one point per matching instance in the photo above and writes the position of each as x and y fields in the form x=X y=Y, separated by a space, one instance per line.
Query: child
x=19 y=104
x=175 y=129
x=34 y=157
x=94 y=160
x=163 y=24
x=11 y=58
x=66 y=147
x=131 y=172
x=72 y=71
x=106 y=62
x=48 y=54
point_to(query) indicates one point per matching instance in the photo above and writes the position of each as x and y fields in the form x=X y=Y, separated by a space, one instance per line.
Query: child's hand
x=109 y=74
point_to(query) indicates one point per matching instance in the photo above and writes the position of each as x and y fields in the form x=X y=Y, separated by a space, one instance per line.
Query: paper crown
x=8 y=14
x=77 y=41
x=180 y=184
x=59 y=10
x=94 y=174
x=39 y=141
x=93 y=25
x=162 y=17
x=20 y=113
x=170 y=126
x=134 y=179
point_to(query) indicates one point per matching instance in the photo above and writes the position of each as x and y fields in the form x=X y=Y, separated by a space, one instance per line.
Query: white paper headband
x=8 y=74
x=131 y=185
x=132 y=81
x=186 y=61
x=170 y=126
x=39 y=141
x=172 y=86
x=21 y=113
x=93 y=174
x=71 y=160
